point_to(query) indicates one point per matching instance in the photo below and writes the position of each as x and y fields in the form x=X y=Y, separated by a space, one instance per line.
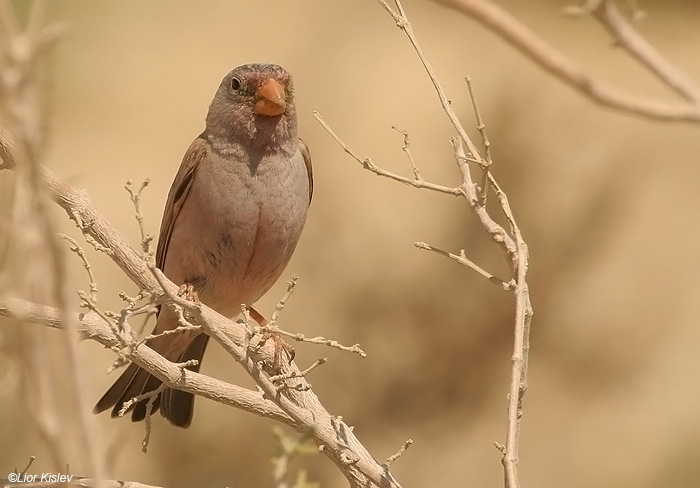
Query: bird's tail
x=176 y=406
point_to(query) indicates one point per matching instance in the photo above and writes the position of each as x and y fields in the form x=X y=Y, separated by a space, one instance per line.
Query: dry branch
x=509 y=240
x=22 y=112
x=292 y=402
x=495 y=18
x=302 y=408
x=91 y=326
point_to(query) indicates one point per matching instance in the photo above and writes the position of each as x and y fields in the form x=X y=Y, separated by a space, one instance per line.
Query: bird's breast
x=237 y=231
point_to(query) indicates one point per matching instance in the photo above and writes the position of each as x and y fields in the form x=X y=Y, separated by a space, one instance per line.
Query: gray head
x=254 y=107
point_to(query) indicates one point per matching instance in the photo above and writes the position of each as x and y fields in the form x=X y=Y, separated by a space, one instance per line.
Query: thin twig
x=406 y=148
x=135 y=196
x=370 y=166
x=391 y=459
x=122 y=334
x=280 y=305
x=461 y=258
x=298 y=336
x=151 y=397
x=481 y=127
x=403 y=24
x=29 y=465
x=299 y=374
x=177 y=330
x=134 y=400
x=75 y=247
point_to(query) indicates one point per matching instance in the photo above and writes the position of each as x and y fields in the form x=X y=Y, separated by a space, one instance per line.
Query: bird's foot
x=282 y=350
x=188 y=292
x=281 y=346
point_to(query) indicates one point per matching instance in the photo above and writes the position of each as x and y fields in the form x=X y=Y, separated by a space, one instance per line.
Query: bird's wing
x=178 y=195
x=309 y=170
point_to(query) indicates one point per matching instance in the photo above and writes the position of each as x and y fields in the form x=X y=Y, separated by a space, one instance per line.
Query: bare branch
x=177 y=330
x=461 y=258
x=298 y=404
x=298 y=336
x=481 y=127
x=280 y=305
x=403 y=24
x=391 y=459
x=299 y=374
x=91 y=326
x=75 y=247
x=407 y=149
x=369 y=165
x=531 y=45
x=135 y=196
x=627 y=37
x=512 y=244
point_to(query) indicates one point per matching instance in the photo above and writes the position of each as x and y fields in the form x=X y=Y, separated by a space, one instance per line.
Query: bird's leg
x=257 y=316
x=280 y=345
x=188 y=292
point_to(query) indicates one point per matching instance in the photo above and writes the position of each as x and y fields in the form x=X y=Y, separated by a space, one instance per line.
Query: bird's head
x=254 y=106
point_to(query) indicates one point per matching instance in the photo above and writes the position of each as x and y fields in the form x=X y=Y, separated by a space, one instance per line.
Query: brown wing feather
x=178 y=194
x=309 y=170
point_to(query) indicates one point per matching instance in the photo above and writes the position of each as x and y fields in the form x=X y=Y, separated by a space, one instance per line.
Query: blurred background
x=608 y=204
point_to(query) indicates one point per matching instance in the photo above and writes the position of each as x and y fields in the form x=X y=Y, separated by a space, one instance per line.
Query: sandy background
x=608 y=204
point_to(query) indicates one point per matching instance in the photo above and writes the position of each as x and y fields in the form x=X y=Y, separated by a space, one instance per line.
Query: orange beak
x=271 y=98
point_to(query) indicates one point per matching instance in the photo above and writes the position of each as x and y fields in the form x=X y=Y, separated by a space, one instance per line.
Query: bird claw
x=188 y=292
x=281 y=347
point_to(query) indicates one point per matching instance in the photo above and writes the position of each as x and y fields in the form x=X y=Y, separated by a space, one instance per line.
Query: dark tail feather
x=178 y=406
x=134 y=381
x=143 y=383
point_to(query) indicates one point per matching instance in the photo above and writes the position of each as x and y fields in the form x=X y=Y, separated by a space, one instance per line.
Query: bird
x=232 y=220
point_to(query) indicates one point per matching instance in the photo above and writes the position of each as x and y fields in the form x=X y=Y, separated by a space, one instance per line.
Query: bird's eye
x=235 y=83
